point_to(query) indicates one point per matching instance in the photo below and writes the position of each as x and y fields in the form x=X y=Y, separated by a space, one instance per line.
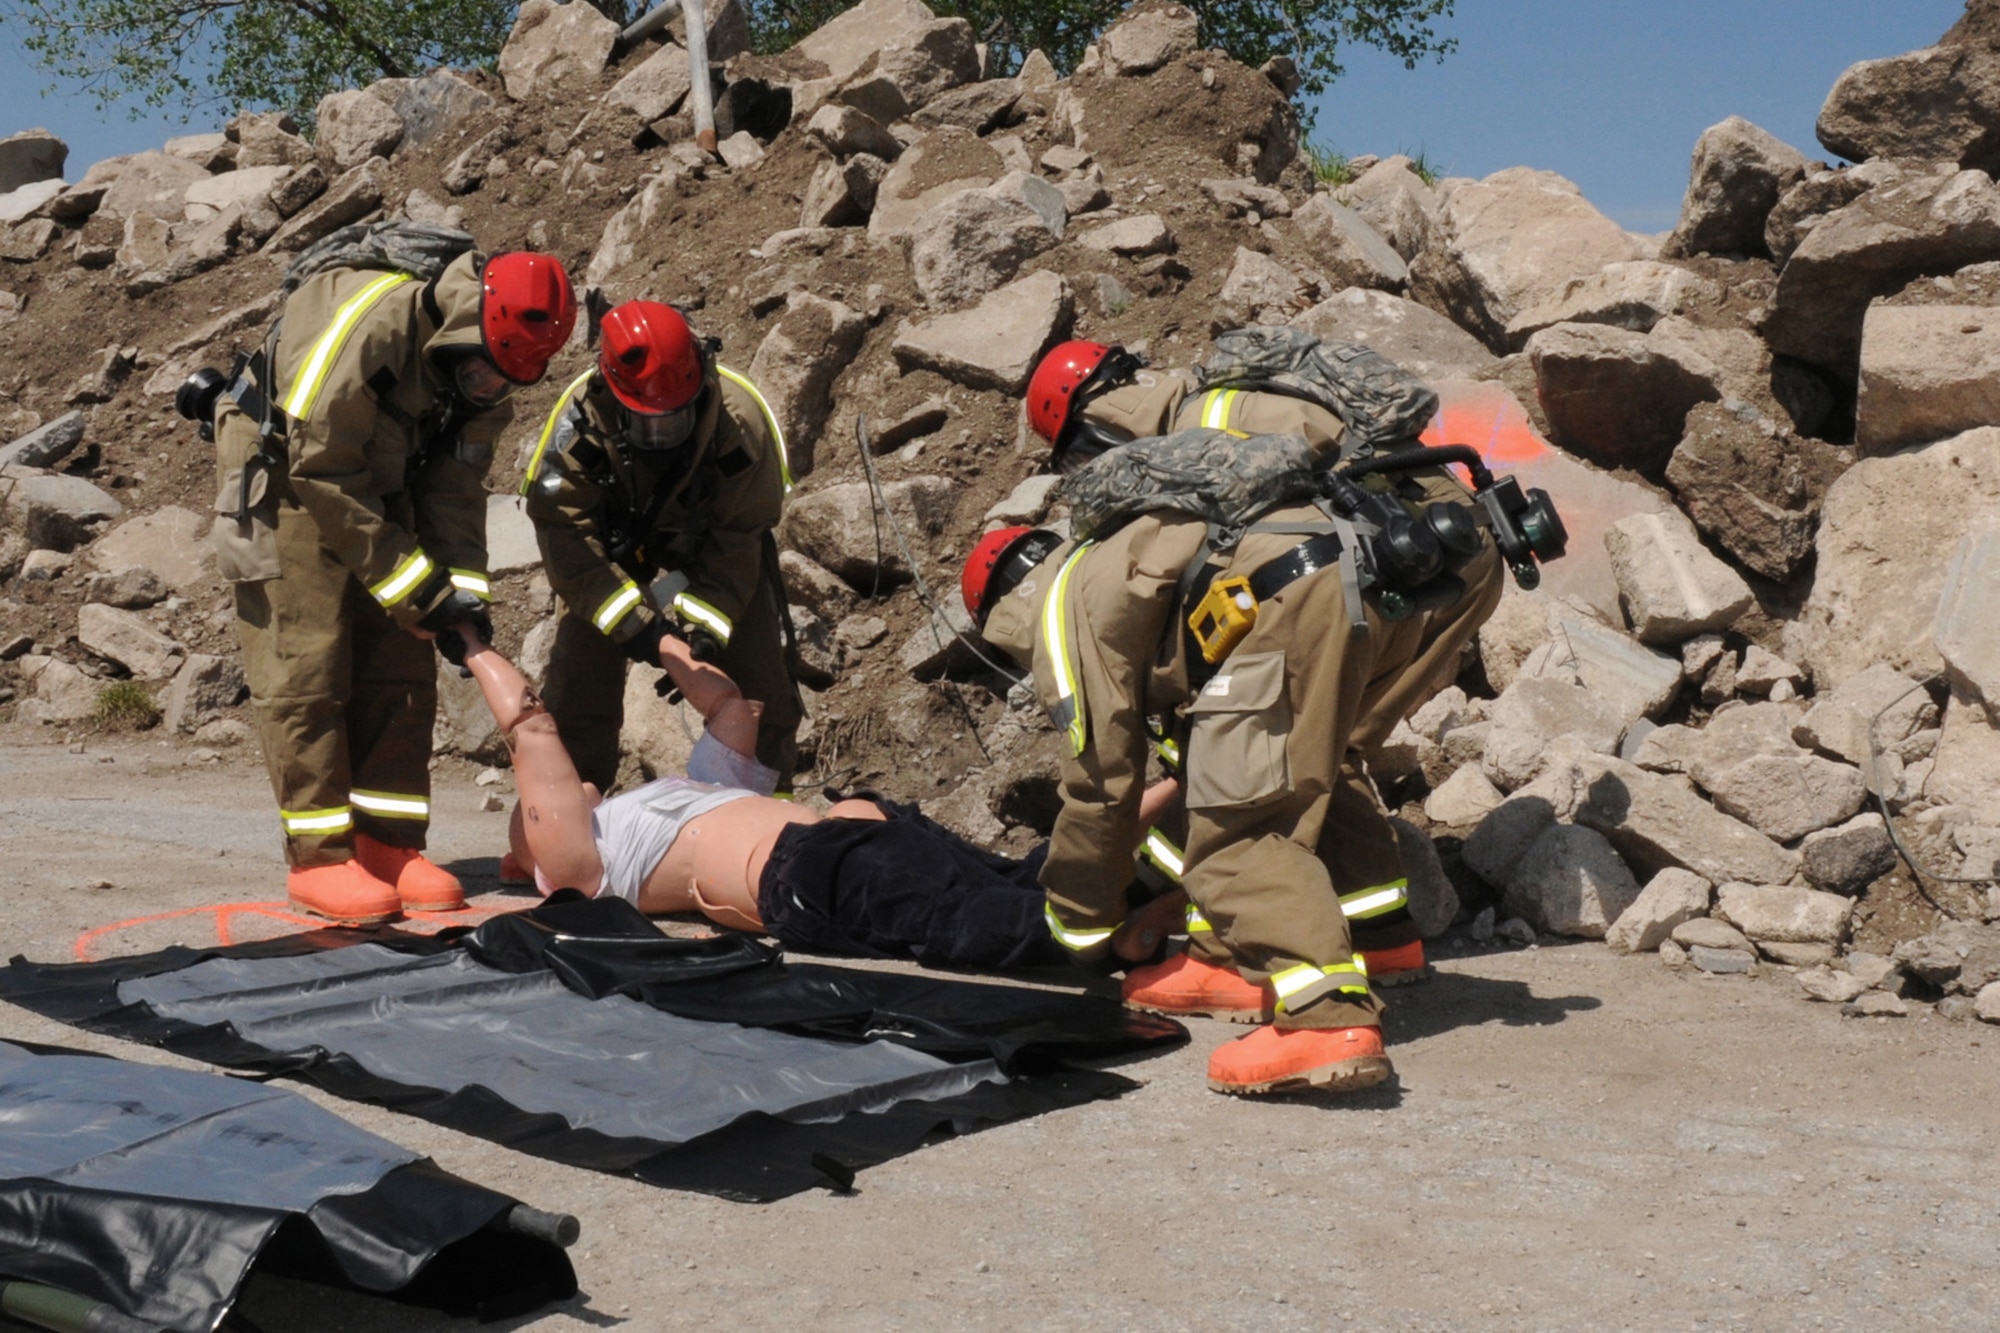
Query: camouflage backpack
x=1381 y=404
x=1224 y=478
x=417 y=248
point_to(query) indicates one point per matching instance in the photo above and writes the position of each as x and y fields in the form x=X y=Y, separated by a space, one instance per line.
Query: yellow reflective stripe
x=416 y=567
x=1076 y=940
x=1196 y=922
x=338 y=819
x=701 y=613
x=1161 y=851
x=549 y=428
x=472 y=581
x=299 y=402
x=770 y=420
x=615 y=606
x=1168 y=751
x=1378 y=901
x=1055 y=632
x=1348 y=978
x=1215 y=412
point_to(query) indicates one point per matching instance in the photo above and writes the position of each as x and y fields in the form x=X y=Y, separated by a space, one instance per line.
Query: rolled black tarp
x=577 y=1031
x=154 y=1191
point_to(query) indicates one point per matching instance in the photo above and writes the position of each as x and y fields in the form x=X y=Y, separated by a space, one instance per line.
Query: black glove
x=644 y=646
x=458 y=607
x=702 y=646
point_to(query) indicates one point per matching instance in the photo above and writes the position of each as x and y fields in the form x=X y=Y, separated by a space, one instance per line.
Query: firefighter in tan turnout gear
x=654 y=489
x=1273 y=659
x=352 y=520
x=1087 y=397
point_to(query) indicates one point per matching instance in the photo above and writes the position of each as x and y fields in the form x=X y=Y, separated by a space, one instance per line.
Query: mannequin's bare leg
x=555 y=805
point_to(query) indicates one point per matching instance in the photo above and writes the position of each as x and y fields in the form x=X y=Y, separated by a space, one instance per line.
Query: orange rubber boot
x=1185 y=986
x=346 y=893
x=514 y=875
x=421 y=884
x=1403 y=965
x=1274 y=1059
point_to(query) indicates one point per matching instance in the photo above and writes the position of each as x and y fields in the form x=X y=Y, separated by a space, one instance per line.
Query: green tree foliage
x=259 y=53
x=1253 y=31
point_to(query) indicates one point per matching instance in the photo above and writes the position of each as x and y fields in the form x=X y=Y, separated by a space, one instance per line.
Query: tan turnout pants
x=344 y=700
x=1281 y=820
x=586 y=690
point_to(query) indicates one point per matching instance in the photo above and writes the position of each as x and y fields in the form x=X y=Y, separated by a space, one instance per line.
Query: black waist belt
x=1308 y=557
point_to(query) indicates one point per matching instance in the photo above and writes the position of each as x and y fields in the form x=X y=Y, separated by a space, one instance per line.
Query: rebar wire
x=1917 y=870
x=880 y=507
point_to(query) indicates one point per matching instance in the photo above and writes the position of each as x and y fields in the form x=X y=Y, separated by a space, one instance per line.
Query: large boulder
x=1617 y=397
x=1967 y=628
x=1744 y=481
x=54 y=511
x=851 y=38
x=654 y=87
x=1887 y=533
x=1342 y=243
x=151 y=185
x=249 y=189
x=354 y=125
x=172 y=542
x=436 y=104
x=1928 y=372
x=29 y=157
x=1413 y=336
x=797 y=363
x=995 y=344
x=349 y=199
x=1965 y=768
x=1870 y=248
x=1738 y=175
x=1393 y=199
x=1940 y=102
x=943 y=163
x=837 y=527
x=1570 y=882
x=1670 y=586
x=129 y=639
x=1509 y=242
x=911 y=69
x=29 y=200
x=266 y=139
x=556 y=50
x=1149 y=36
x=1633 y=295
x=976 y=240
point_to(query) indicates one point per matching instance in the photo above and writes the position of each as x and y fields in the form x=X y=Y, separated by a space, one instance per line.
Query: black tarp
x=578 y=1032
x=155 y=1190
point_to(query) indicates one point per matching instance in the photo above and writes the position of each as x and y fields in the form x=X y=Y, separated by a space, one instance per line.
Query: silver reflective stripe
x=1196 y=922
x=1161 y=851
x=390 y=805
x=704 y=615
x=1076 y=940
x=615 y=606
x=473 y=582
x=416 y=567
x=1379 y=901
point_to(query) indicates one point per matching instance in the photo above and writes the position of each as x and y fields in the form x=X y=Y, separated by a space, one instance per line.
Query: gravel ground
x=1576 y=1140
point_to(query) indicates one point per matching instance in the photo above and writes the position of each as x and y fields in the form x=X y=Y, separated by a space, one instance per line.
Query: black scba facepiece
x=197 y=396
x=1016 y=564
x=1081 y=440
x=1414 y=559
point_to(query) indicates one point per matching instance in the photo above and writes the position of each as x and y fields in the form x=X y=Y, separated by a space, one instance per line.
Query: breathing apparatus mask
x=1083 y=439
x=664 y=432
x=477 y=381
x=1412 y=559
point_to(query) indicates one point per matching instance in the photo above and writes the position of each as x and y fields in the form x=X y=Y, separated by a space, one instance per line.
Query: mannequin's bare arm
x=553 y=816
x=731 y=718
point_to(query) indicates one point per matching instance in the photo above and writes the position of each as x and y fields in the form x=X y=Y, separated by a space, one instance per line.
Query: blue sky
x=1614 y=93
x=1610 y=93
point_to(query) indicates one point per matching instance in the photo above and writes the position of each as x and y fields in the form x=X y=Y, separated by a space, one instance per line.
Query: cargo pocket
x=1236 y=746
x=245 y=536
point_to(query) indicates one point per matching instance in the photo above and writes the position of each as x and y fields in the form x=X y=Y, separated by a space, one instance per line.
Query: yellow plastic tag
x=1225 y=614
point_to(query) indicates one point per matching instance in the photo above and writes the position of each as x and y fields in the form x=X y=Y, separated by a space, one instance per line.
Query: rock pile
x=1776 y=621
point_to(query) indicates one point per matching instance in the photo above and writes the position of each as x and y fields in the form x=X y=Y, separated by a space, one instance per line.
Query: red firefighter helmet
x=526 y=313
x=650 y=357
x=1000 y=560
x=1052 y=391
